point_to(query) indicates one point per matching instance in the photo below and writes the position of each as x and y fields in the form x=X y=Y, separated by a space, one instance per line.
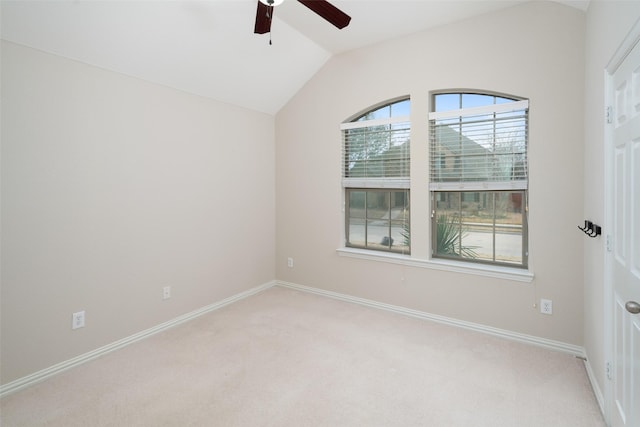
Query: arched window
x=479 y=178
x=375 y=178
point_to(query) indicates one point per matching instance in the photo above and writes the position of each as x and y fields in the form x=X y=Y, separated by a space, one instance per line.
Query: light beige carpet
x=288 y=358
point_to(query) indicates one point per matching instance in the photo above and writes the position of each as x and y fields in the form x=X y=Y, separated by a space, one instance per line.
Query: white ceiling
x=208 y=47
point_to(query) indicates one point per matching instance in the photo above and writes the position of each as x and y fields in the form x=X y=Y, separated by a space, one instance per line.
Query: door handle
x=632 y=307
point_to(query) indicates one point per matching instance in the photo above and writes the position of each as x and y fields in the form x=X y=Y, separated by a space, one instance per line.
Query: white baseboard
x=42 y=375
x=595 y=386
x=86 y=357
x=503 y=333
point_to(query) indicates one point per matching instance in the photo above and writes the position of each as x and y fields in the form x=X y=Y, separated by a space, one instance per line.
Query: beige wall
x=608 y=22
x=113 y=188
x=536 y=51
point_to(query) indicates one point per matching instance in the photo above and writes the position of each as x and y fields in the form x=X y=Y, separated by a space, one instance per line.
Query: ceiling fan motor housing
x=271 y=2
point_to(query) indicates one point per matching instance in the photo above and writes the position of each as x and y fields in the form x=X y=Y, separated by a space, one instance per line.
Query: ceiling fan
x=321 y=7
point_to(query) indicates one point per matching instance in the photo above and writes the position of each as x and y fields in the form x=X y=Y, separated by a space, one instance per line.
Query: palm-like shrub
x=449 y=234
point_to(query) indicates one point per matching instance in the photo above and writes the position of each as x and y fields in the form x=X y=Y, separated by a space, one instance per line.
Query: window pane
x=377 y=234
x=451 y=236
x=500 y=100
x=480 y=226
x=401 y=108
x=446 y=102
x=479 y=148
x=380 y=113
x=356 y=232
x=474 y=100
x=456 y=101
x=509 y=223
x=356 y=204
x=377 y=151
x=378 y=219
x=400 y=236
x=377 y=204
x=397 y=109
x=355 y=153
x=400 y=229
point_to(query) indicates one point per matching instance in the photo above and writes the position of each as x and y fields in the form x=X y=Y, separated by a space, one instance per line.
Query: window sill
x=516 y=274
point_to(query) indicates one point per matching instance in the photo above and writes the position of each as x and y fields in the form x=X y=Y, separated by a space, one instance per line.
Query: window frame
x=387 y=241
x=420 y=199
x=438 y=189
x=378 y=182
x=524 y=227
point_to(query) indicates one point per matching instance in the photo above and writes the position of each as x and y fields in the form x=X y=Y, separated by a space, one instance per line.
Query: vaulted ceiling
x=208 y=47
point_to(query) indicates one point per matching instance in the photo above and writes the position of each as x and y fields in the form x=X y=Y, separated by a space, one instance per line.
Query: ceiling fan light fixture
x=271 y=2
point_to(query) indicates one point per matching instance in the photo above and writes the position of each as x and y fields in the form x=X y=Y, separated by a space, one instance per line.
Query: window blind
x=482 y=148
x=376 y=153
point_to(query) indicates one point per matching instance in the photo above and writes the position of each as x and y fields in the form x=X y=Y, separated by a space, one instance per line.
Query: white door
x=625 y=250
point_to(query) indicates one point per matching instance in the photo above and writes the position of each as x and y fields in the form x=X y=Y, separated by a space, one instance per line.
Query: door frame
x=621 y=53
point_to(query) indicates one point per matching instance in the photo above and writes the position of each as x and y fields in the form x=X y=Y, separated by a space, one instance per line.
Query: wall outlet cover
x=77 y=320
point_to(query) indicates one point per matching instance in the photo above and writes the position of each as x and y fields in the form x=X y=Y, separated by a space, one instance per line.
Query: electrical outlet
x=546 y=306
x=77 y=320
x=290 y=262
x=166 y=292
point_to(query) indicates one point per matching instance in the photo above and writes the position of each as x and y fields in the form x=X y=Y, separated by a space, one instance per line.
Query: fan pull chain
x=269 y=16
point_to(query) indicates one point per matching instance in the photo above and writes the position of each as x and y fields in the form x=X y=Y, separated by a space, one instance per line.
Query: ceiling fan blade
x=263 y=18
x=328 y=12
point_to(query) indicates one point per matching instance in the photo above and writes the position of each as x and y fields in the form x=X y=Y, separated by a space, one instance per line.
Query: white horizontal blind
x=482 y=148
x=375 y=153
